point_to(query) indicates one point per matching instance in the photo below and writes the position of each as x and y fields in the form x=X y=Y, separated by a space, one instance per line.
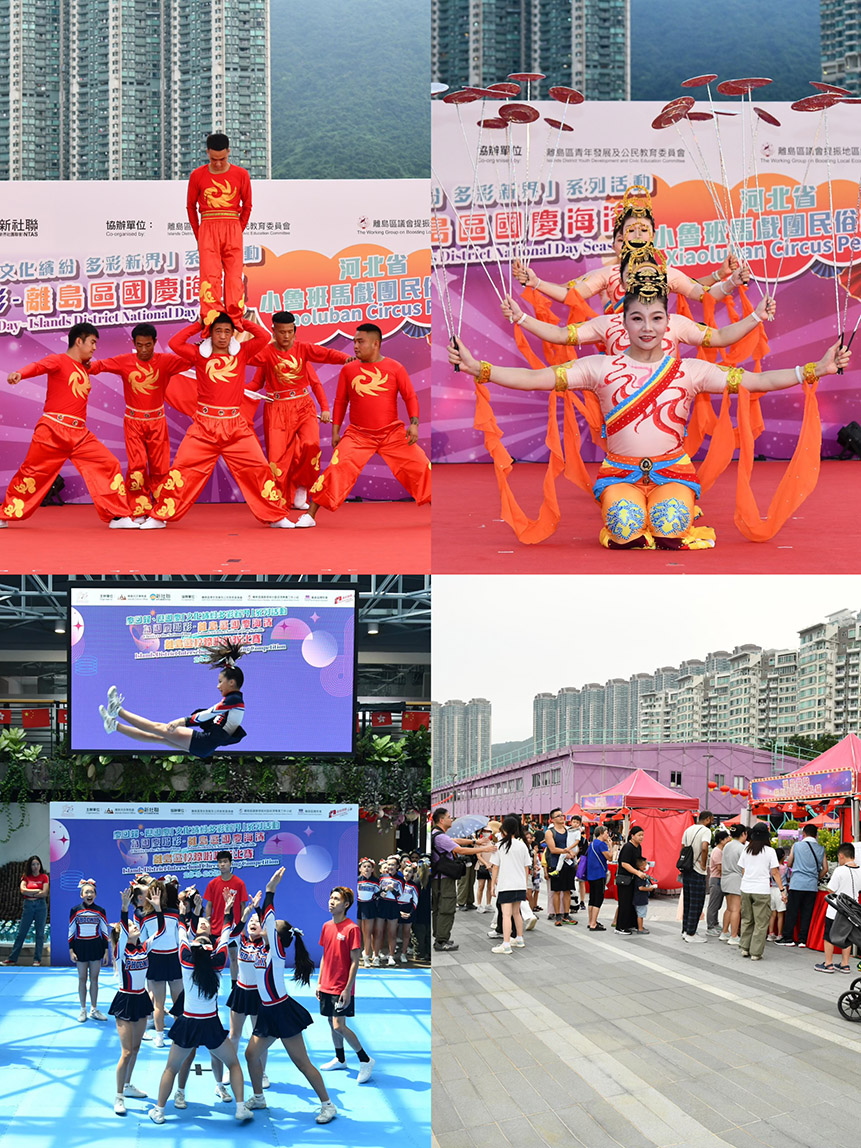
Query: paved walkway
x=598 y=1040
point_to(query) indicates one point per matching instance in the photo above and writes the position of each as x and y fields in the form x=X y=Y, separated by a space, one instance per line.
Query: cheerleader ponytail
x=303 y=966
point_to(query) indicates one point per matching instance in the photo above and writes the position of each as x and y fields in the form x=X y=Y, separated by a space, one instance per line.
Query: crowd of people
x=749 y=891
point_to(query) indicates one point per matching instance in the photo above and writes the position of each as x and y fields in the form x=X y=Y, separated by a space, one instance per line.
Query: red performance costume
x=144 y=424
x=224 y=204
x=290 y=422
x=371 y=390
x=218 y=430
x=61 y=435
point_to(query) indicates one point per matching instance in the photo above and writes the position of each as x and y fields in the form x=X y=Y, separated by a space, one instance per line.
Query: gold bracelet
x=809 y=374
x=573 y=339
x=707 y=337
x=734 y=377
x=484 y=370
x=561 y=374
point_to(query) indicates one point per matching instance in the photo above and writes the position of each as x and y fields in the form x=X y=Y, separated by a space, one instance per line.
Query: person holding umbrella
x=446 y=868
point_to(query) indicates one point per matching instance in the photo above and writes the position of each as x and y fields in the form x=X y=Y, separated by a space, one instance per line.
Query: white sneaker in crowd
x=179 y=1100
x=518 y=943
x=696 y=939
x=503 y=948
x=365 y=1070
x=120 y=1106
x=732 y=941
x=327 y=1112
x=135 y=1093
x=333 y=1065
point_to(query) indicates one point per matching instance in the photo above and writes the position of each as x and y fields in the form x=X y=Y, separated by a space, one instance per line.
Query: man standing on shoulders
x=809 y=866
x=446 y=869
x=695 y=880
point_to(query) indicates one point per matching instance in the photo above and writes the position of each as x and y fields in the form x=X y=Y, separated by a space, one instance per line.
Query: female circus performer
x=647 y=486
x=160 y=932
x=132 y=1005
x=205 y=731
x=202 y=964
x=88 y=943
x=280 y=1017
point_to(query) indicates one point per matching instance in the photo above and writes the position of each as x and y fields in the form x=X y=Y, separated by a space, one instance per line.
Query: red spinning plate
x=518 y=113
x=698 y=81
x=527 y=77
x=467 y=96
x=719 y=113
x=699 y=116
x=488 y=93
x=668 y=117
x=492 y=122
x=850 y=100
x=768 y=117
x=436 y=89
x=558 y=124
x=685 y=102
x=566 y=95
x=830 y=88
x=815 y=103
x=505 y=89
x=741 y=87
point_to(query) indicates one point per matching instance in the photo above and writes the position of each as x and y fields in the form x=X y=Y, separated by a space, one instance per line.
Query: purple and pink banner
x=803 y=786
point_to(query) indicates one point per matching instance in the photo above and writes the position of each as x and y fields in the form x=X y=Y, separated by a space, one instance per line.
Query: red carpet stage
x=361 y=538
x=469 y=536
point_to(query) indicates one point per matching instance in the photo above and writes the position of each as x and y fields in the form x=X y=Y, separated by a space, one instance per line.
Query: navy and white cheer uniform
x=408 y=903
x=244 y=996
x=88 y=932
x=367 y=898
x=199 y=1023
x=279 y=1016
x=161 y=933
x=132 y=1002
x=390 y=890
x=220 y=725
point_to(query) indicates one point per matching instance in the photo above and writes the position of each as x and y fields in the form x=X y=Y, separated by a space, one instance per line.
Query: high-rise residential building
x=129 y=89
x=568 y=716
x=578 y=43
x=461 y=739
x=840 y=41
x=824 y=647
x=543 y=723
x=478 y=735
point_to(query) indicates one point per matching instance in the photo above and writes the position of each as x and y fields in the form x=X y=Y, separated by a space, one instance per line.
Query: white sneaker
x=152 y=524
x=724 y=936
x=115 y=701
x=531 y=924
x=715 y=932
x=3 y=523
x=283 y=524
x=300 y=499
x=110 y=723
x=696 y=939
x=135 y=1093
x=365 y=1070
x=391 y=959
x=156 y=1115
x=518 y=943
x=158 y=1040
x=256 y=1102
x=242 y=1112
x=480 y=908
x=503 y=948
x=332 y=1065
x=404 y=959
x=732 y=941
x=304 y=521
x=493 y=933
x=327 y=1112
x=222 y=1093
x=179 y=1100
x=265 y=1080
x=375 y=963
x=82 y=1015
x=140 y=519
x=120 y=1106
x=96 y=1015
x=147 y=1035
x=123 y=524
x=364 y=962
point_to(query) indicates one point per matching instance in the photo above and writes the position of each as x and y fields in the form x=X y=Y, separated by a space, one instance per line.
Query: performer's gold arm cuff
x=573 y=339
x=734 y=377
x=561 y=374
x=483 y=375
x=809 y=374
x=707 y=337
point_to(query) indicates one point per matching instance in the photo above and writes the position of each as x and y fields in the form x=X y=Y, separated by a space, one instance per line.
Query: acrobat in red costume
x=219 y=207
x=145 y=375
x=61 y=436
x=290 y=421
x=371 y=387
x=218 y=430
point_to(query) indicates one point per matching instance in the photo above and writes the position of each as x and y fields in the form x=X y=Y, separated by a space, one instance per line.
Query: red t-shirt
x=68 y=384
x=221 y=377
x=289 y=370
x=372 y=389
x=223 y=194
x=338 y=942
x=36 y=883
x=215 y=891
x=143 y=383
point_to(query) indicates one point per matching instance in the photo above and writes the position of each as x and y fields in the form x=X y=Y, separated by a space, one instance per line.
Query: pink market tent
x=845 y=755
x=663 y=813
x=835 y=774
x=577 y=811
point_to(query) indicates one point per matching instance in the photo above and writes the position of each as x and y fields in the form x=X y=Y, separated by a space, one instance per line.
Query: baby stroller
x=846 y=930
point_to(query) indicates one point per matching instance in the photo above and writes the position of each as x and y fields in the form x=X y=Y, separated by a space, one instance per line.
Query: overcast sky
x=507 y=638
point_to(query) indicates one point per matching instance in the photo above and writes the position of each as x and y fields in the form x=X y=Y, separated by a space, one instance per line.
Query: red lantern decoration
x=744 y=793
x=712 y=785
x=735 y=792
x=724 y=789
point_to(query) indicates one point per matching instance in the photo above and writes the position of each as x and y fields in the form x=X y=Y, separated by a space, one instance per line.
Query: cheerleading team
x=160 y=931
x=367 y=902
x=88 y=943
x=280 y=1017
x=132 y=1005
x=204 y=731
x=202 y=963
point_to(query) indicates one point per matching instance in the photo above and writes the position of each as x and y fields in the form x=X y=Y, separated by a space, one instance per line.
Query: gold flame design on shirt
x=220 y=370
x=221 y=195
x=288 y=370
x=143 y=379
x=375 y=382
x=79 y=381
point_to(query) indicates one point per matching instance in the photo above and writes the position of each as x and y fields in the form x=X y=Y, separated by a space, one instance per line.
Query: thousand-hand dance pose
x=647 y=486
x=206 y=730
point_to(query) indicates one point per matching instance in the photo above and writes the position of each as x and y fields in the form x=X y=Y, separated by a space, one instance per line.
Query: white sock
x=258 y=1095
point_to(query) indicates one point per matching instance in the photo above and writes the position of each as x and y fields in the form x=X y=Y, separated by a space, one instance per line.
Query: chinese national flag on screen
x=415 y=719
x=381 y=717
x=36 y=719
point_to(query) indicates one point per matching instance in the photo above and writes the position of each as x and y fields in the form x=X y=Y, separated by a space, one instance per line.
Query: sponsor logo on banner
x=344 y=811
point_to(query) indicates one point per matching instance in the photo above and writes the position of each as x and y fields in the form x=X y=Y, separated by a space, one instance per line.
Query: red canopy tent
x=835 y=774
x=663 y=813
x=577 y=811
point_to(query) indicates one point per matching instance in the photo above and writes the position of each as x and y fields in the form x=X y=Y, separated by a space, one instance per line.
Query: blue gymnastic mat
x=58 y=1078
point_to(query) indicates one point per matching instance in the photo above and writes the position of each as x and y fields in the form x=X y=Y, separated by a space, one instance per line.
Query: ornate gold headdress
x=634 y=255
x=637 y=201
x=647 y=282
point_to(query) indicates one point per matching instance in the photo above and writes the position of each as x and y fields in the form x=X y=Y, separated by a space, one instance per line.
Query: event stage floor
x=469 y=537
x=361 y=538
x=58 y=1078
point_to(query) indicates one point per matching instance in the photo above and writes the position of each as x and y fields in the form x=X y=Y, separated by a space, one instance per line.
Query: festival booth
x=827 y=789
x=663 y=813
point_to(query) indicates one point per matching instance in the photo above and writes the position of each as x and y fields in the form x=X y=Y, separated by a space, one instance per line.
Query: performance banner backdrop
x=149 y=642
x=336 y=254
x=546 y=194
x=110 y=843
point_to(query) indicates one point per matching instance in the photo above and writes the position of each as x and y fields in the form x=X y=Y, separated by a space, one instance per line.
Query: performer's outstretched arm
x=180 y=344
x=516 y=378
x=726 y=336
x=572 y=335
x=589 y=284
x=722 y=379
